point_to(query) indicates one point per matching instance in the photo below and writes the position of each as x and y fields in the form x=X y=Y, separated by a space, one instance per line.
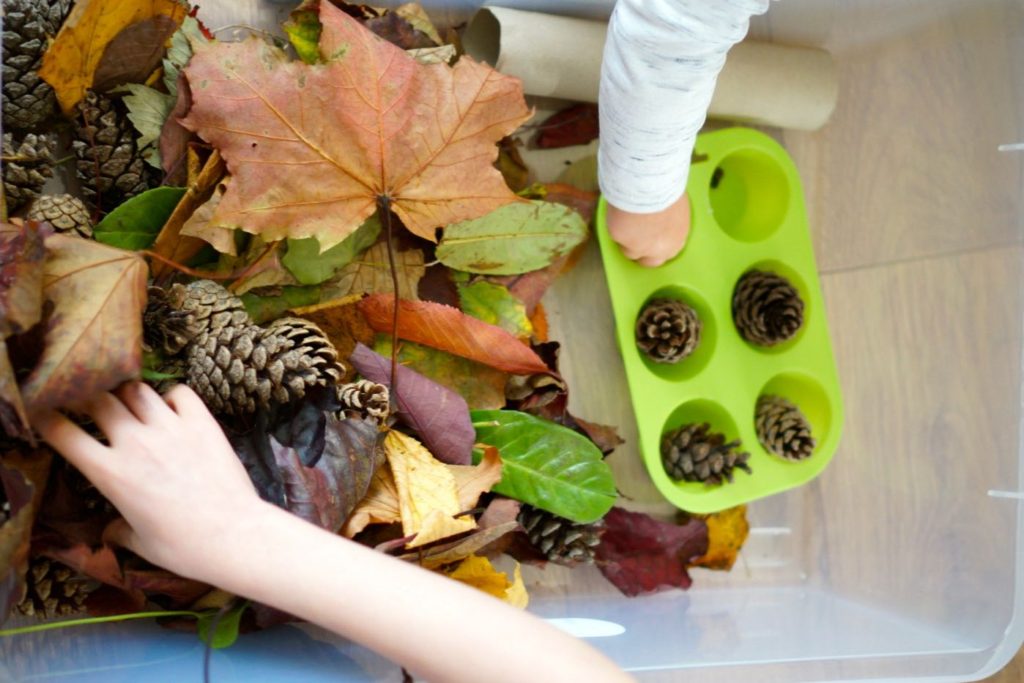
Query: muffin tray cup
x=753 y=218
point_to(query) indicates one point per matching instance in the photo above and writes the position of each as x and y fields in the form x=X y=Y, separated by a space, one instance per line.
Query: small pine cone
x=64 y=212
x=237 y=366
x=28 y=27
x=26 y=166
x=560 y=540
x=693 y=453
x=766 y=308
x=782 y=429
x=54 y=590
x=364 y=399
x=668 y=330
x=110 y=166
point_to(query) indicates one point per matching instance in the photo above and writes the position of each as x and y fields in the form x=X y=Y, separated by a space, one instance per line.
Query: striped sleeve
x=661 y=61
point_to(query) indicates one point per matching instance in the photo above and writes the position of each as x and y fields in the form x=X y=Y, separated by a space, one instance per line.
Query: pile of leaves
x=360 y=176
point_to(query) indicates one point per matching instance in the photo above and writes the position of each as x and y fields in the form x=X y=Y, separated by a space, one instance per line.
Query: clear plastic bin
x=903 y=560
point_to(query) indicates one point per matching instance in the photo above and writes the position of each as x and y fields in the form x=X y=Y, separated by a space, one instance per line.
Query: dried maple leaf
x=640 y=554
x=94 y=334
x=21 y=276
x=70 y=62
x=22 y=481
x=313 y=149
x=727 y=532
x=449 y=329
x=371 y=273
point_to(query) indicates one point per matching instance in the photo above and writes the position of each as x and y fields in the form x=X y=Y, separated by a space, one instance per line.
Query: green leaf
x=482 y=387
x=136 y=223
x=264 y=308
x=303 y=29
x=226 y=632
x=547 y=465
x=494 y=304
x=148 y=109
x=180 y=52
x=305 y=261
x=516 y=238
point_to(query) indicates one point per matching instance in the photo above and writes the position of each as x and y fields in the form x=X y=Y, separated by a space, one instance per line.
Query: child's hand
x=169 y=470
x=650 y=239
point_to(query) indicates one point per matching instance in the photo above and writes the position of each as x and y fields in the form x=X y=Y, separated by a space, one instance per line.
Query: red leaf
x=575 y=125
x=449 y=329
x=180 y=590
x=438 y=414
x=640 y=554
x=326 y=493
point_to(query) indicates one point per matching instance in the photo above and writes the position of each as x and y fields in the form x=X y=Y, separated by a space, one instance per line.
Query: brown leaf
x=473 y=480
x=449 y=329
x=510 y=163
x=370 y=273
x=343 y=324
x=604 y=436
x=94 y=335
x=640 y=554
x=574 y=125
x=70 y=62
x=438 y=414
x=581 y=201
x=441 y=554
x=198 y=224
x=175 y=138
x=397 y=30
x=727 y=532
x=134 y=53
x=181 y=591
x=21 y=276
x=312 y=148
x=13 y=418
x=22 y=481
x=170 y=243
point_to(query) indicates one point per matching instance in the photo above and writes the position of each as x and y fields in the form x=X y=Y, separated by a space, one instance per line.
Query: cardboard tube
x=763 y=83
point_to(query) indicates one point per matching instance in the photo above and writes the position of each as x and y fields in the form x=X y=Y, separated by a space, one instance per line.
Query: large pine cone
x=560 y=540
x=668 y=330
x=110 y=165
x=54 y=590
x=782 y=429
x=694 y=453
x=365 y=400
x=28 y=26
x=64 y=212
x=766 y=308
x=235 y=365
x=26 y=166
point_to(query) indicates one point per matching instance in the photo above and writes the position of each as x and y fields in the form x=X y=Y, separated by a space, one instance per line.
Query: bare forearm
x=440 y=629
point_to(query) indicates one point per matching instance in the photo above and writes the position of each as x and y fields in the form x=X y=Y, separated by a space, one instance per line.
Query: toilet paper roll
x=555 y=56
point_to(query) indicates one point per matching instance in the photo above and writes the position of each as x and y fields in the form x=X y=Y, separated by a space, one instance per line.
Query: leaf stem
x=384 y=203
x=185 y=269
x=51 y=625
x=252 y=266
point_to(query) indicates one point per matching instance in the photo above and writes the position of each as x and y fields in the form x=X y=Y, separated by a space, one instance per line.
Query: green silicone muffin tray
x=753 y=218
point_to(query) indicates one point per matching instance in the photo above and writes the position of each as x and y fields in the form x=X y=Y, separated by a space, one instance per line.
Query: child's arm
x=661 y=61
x=189 y=507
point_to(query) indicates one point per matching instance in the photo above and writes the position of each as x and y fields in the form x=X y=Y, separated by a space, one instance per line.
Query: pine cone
x=64 y=212
x=560 y=540
x=693 y=453
x=54 y=590
x=364 y=399
x=235 y=365
x=110 y=165
x=26 y=166
x=668 y=330
x=165 y=327
x=28 y=25
x=766 y=308
x=782 y=429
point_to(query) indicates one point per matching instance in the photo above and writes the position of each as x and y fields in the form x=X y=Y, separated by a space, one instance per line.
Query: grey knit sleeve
x=661 y=61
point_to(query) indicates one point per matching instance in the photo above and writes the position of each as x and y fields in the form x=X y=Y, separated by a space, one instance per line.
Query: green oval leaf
x=547 y=465
x=310 y=266
x=494 y=304
x=226 y=632
x=136 y=223
x=515 y=238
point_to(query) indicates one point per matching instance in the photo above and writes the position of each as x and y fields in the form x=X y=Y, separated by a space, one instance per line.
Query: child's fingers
x=71 y=441
x=185 y=403
x=110 y=414
x=143 y=402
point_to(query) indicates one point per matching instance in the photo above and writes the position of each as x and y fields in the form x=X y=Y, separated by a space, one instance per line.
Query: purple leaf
x=438 y=414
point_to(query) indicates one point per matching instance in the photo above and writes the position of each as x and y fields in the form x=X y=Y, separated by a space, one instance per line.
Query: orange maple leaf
x=313 y=148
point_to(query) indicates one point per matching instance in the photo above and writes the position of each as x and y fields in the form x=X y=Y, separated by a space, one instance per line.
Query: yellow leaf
x=471 y=481
x=479 y=573
x=70 y=62
x=427 y=496
x=379 y=506
x=727 y=531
